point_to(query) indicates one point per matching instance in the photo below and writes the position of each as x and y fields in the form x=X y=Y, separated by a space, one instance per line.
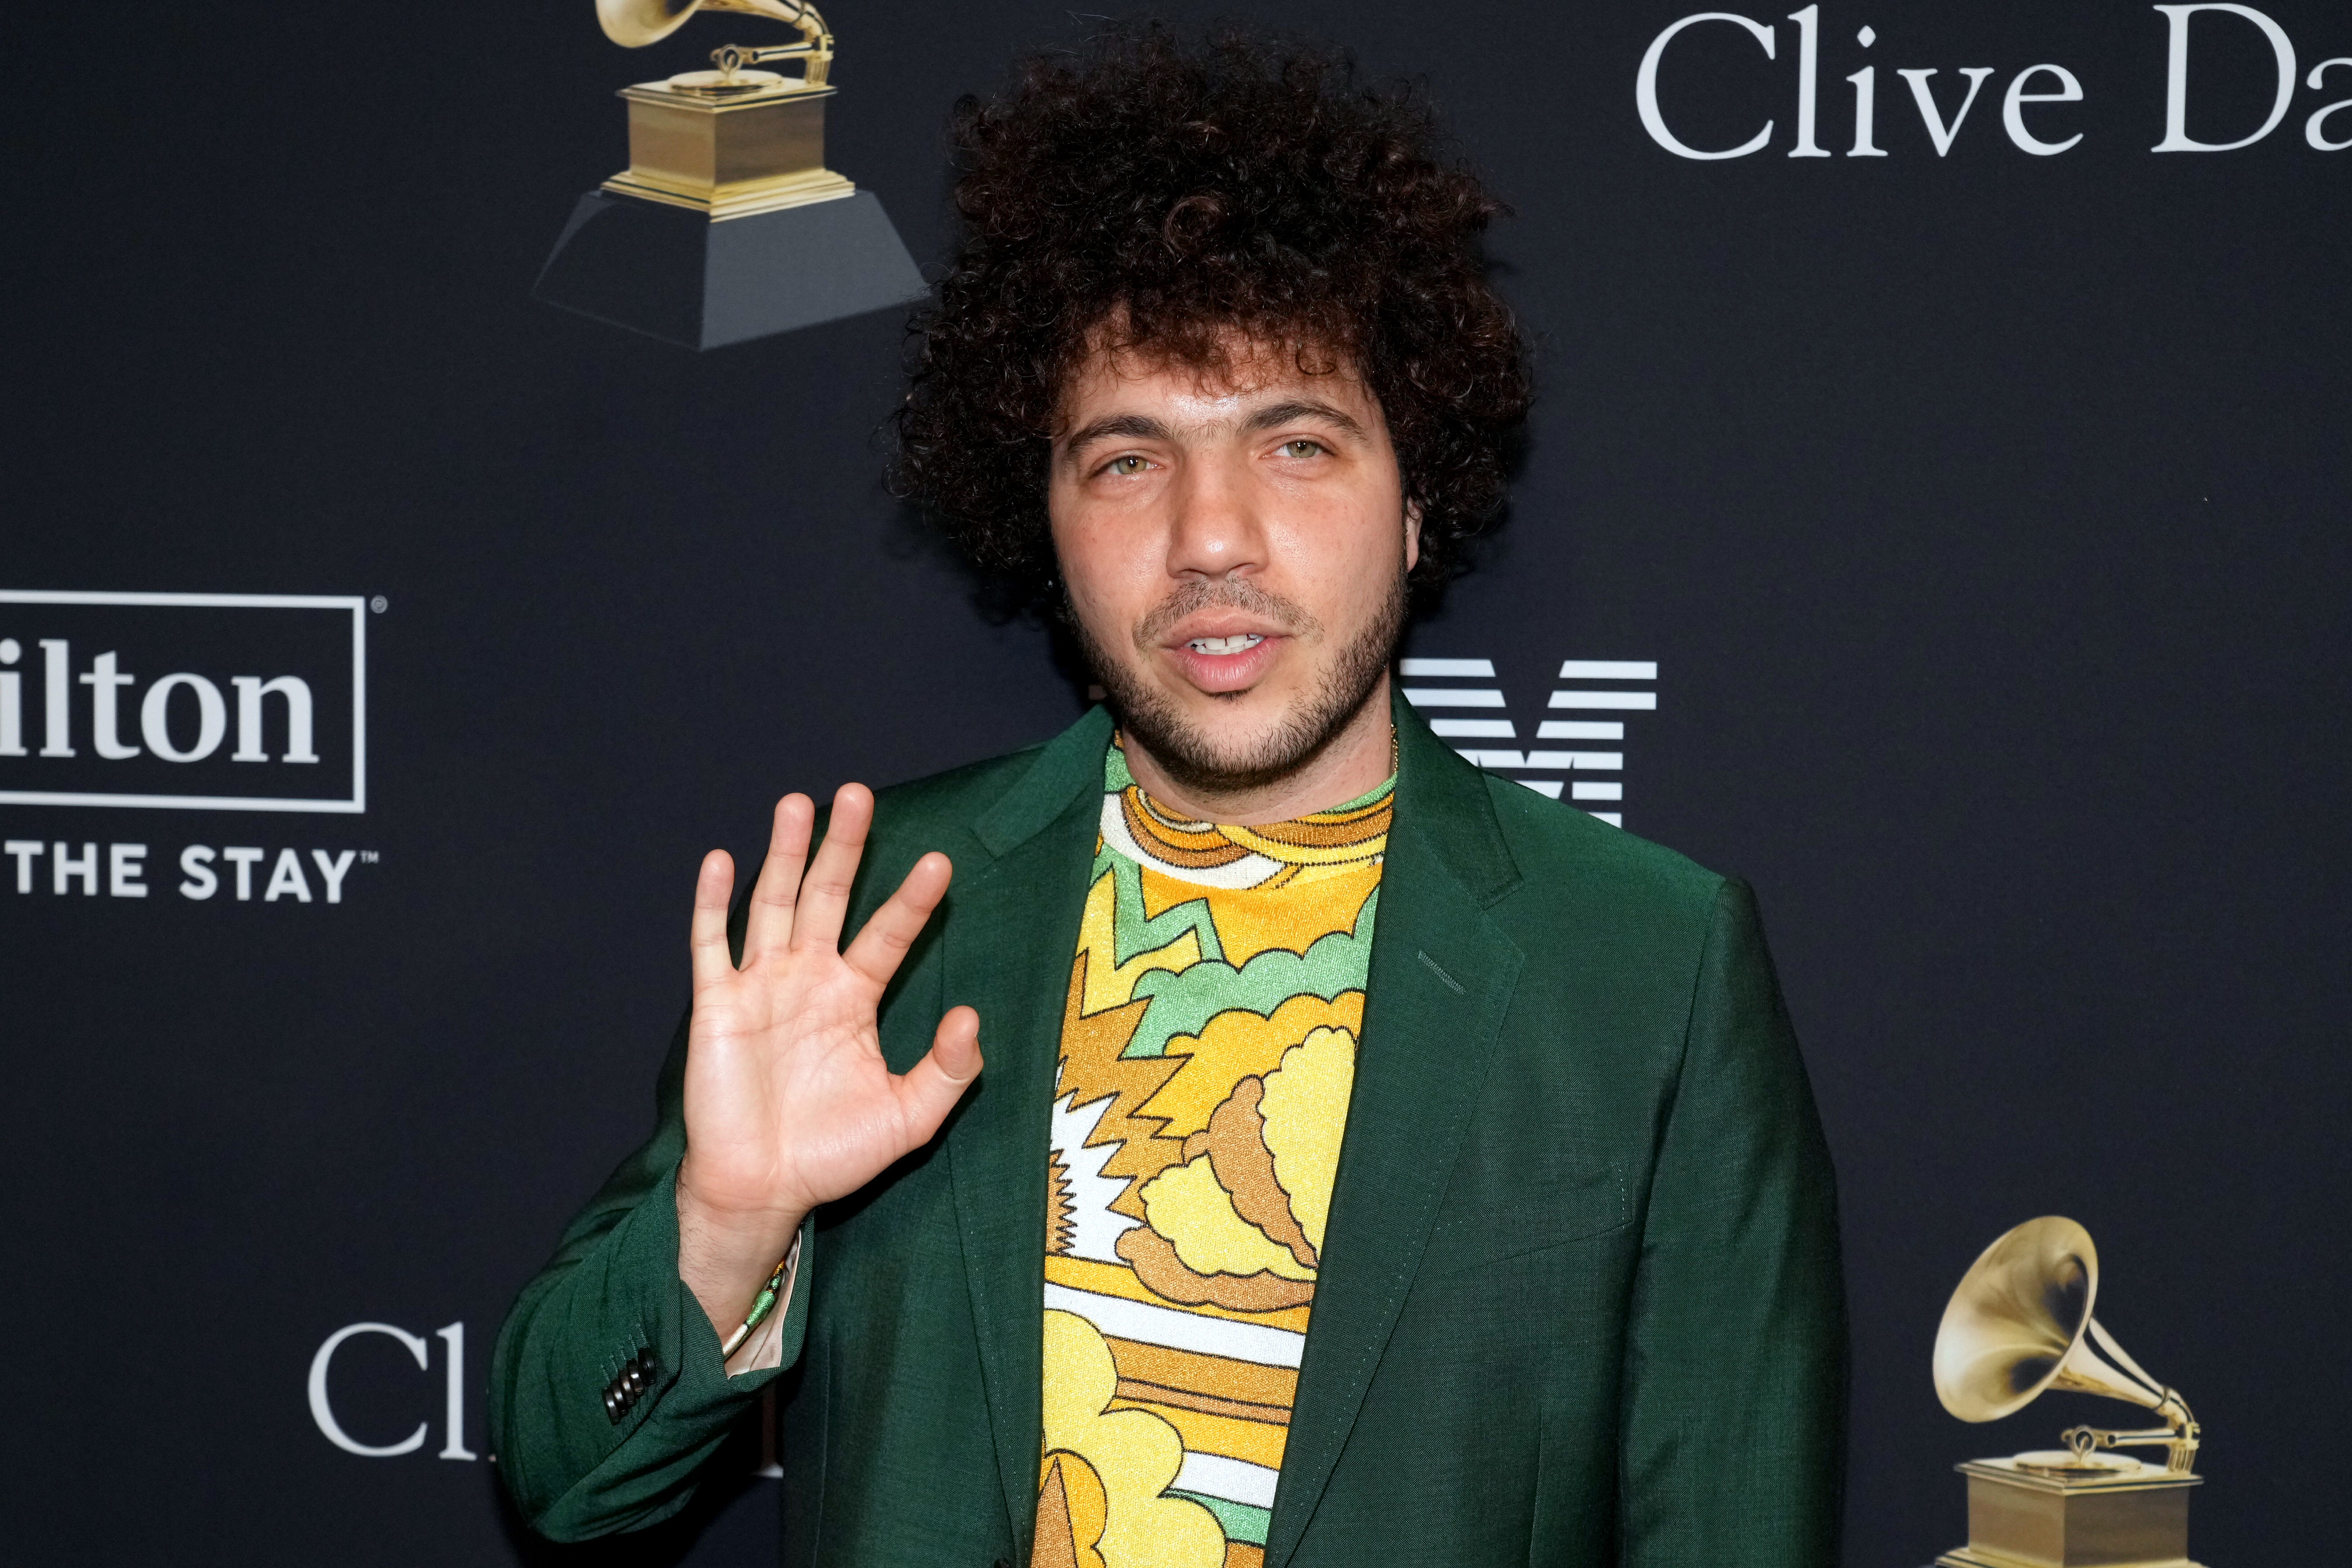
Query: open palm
x=789 y=1103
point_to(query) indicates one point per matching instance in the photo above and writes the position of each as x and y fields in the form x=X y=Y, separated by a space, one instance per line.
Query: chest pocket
x=1499 y=1207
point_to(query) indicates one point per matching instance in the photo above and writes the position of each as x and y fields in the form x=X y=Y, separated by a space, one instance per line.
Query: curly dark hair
x=1149 y=193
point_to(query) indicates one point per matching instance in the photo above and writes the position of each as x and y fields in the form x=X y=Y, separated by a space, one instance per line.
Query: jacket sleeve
x=1732 y=1437
x=610 y=1295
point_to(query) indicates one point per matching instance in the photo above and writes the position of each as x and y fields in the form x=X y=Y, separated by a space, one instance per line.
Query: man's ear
x=1411 y=535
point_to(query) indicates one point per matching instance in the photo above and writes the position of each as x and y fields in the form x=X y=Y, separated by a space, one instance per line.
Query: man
x=1373 y=1161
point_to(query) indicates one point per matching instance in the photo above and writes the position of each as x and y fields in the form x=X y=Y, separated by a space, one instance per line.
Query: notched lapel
x=1006 y=955
x=1442 y=977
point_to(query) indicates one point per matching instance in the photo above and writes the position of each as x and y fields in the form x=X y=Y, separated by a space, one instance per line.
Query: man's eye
x=1127 y=467
x=1303 y=448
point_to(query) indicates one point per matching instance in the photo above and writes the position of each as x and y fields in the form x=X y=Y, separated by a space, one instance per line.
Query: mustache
x=1223 y=594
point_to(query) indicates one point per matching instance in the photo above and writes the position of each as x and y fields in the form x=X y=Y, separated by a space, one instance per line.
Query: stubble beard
x=1189 y=752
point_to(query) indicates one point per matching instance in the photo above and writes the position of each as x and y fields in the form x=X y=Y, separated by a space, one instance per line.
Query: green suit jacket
x=1579 y=1302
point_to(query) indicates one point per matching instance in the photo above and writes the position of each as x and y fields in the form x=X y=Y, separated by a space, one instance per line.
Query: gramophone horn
x=633 y=24
x=2020 y=1322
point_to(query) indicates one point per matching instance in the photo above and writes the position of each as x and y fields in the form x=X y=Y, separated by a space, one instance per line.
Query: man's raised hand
x=789 y=1103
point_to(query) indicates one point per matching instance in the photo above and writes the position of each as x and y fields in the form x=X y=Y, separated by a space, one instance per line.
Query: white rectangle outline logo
x=356 y=605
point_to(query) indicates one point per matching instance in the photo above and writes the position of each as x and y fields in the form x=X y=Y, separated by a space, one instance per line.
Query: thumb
x=928 y=1089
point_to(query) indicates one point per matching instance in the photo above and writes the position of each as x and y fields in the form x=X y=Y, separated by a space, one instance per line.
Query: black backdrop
x=1984 y=514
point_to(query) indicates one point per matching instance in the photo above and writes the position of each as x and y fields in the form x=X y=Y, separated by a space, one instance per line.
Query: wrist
x=726 y=1255
x=726 y=1222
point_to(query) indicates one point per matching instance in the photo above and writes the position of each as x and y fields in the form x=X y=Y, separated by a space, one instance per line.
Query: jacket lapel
x=1441 y=975
x=1008 y=951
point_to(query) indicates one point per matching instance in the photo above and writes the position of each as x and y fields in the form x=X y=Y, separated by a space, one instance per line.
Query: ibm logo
x=223 y=702
x=1466 y=705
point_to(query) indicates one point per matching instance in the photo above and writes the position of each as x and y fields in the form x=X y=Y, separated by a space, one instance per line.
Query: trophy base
x=669 y=272
x=2035 y=1510
x=728 y=155
x=746 y=200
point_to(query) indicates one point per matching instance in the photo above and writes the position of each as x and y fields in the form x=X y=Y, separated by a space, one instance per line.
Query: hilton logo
x=223 y=702
x=1465 y=704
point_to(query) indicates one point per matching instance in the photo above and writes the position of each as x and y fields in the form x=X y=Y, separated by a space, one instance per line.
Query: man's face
x=1234 y=549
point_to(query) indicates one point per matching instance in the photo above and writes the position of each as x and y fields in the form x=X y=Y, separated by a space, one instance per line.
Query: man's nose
x=1217 y=530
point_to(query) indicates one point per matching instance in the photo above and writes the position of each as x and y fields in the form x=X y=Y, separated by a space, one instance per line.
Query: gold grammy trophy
x=727 y=225
x=732 y=142
x=2019 y=1323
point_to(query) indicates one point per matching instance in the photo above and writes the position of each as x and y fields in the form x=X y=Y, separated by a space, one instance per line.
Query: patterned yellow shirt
x=1208 y=1048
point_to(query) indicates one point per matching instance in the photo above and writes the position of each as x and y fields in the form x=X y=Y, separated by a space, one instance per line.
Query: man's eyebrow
x=1115 y=427
x=1293 y=409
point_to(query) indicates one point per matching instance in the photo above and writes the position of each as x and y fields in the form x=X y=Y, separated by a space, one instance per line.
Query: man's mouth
x=1218 y=647
x=1225 y=664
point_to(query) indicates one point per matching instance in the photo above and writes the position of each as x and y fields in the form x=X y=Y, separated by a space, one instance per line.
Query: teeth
x=1215 y=646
